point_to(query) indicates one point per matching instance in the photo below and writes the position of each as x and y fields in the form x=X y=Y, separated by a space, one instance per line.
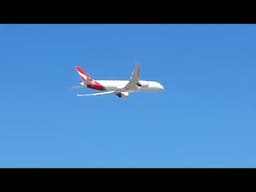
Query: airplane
x=121 y=88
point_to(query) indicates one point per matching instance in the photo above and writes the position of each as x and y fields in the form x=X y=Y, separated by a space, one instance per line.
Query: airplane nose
x=153 y=85
x=160 y=86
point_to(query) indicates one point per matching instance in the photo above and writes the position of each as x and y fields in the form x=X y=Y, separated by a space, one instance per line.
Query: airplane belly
x=113 y=85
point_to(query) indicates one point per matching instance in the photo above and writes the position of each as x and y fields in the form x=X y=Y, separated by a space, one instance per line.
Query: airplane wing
x=132 y=84
x=97 y=94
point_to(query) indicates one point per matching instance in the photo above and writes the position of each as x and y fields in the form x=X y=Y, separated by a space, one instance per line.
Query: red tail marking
x=78 y=68
x=83 y=75
x=95 y=85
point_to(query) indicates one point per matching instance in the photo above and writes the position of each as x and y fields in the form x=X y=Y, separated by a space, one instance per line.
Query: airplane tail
x=83 y=75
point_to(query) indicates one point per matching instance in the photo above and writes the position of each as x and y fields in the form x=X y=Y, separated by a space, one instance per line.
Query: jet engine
x=123 y=94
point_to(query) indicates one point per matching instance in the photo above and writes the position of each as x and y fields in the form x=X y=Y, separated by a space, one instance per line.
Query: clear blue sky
x=205 y=117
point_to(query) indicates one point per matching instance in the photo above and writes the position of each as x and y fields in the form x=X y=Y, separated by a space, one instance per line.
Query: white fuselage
x=118 y=85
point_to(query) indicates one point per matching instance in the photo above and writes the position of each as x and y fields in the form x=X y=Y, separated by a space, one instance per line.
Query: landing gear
x=119 y=95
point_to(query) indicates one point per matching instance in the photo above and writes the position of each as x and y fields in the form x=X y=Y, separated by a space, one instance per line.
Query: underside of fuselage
x=119 y=85
x=110 y=85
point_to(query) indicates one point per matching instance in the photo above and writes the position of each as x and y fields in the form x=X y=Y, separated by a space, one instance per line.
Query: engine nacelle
x=123 y=94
